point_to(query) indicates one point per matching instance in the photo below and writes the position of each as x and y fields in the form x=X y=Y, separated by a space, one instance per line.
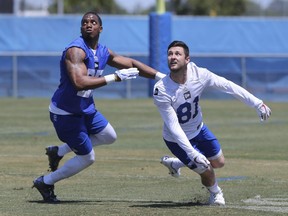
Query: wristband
x=159 y=75
x=109 y=78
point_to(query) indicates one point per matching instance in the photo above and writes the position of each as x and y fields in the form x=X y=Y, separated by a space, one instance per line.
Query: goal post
x=159 y=39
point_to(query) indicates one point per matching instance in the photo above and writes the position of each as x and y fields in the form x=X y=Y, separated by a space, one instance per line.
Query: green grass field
x=127 y=178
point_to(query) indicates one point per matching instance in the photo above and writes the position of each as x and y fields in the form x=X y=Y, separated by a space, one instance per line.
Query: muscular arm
x=122 y=62
x=77 y=71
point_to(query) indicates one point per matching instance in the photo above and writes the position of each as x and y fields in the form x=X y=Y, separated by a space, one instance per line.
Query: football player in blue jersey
x=78 y=124
x=177 y=98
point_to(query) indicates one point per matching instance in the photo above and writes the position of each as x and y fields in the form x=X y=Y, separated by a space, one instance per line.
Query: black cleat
x=53 y=157
x=47 y=191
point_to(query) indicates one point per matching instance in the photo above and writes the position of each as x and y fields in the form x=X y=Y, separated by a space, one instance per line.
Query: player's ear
x=188 y=59
x=101 y=29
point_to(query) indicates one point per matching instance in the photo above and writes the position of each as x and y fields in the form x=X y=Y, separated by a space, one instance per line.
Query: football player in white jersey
x=177 y=98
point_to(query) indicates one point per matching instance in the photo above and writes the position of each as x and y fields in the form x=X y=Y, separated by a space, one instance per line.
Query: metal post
x=16 y=7
x=244 y=72
x=160 y=6
x=15 y=76
x=60 y=7
x=128 y=88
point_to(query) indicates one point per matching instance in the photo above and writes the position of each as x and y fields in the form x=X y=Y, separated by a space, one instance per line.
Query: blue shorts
x=75 y=129
x=205 y=142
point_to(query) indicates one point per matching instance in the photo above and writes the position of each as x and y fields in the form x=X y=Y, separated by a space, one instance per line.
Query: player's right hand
x=125 y=74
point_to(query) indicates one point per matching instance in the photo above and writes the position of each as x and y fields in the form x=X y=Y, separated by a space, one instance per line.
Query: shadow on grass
x=133 y=203
x=168 y=204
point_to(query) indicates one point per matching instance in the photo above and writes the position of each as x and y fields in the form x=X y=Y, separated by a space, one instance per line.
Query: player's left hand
x=199 y=163
x=125 y=74
x=264 y=112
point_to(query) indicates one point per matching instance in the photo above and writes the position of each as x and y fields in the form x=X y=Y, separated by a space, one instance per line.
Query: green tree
x=277 y=8
x=208 y=7
x=80 y=6
x=254 y=9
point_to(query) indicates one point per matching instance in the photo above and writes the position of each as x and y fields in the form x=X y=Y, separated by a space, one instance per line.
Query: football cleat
x=168 y=162
x=53 y=157
x=47 y=191
x=217 y=199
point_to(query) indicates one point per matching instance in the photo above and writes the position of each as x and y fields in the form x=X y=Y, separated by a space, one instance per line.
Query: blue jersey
x=67 y=97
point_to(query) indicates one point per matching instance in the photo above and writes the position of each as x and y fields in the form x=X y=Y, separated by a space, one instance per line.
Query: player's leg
x=211 y=149
x=70 y=167
x=106 y=136
x=174 y=164
x=56 y=153
x=217 y=162
x=207 y=174
x=100 y=130
x=71 y=130
x=45 y=184
x=206 y=143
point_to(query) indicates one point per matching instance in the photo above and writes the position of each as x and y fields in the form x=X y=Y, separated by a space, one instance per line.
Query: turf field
x=127 y=178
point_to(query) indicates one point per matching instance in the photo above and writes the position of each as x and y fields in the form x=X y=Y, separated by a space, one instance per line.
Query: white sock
x=215 y=188
x=70 y=168
x=63 y=149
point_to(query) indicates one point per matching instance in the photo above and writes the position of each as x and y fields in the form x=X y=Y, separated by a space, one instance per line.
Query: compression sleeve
x=231 y=88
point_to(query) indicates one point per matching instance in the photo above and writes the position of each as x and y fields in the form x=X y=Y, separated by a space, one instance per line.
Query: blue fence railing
x=37 y=75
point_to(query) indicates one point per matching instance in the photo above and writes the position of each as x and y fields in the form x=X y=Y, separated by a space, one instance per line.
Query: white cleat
x=217 y=199
x=168 y=162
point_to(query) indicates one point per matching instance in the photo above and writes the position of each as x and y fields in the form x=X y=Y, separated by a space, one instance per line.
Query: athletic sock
x=70 y=168
x=63 y=149
x=215 y=188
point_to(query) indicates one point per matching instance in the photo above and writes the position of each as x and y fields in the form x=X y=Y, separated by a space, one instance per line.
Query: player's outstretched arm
x=121 y=62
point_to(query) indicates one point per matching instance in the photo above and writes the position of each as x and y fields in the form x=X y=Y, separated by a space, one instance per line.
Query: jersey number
x=184 y=111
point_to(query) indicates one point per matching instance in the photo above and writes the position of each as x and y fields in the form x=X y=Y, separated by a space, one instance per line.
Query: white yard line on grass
x=279 y=205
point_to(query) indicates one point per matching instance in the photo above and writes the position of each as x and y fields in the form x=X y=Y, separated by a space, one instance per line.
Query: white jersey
x=179 y=106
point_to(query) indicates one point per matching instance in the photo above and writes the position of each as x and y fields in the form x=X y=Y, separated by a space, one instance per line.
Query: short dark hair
x=180 y=44
x=94 y=13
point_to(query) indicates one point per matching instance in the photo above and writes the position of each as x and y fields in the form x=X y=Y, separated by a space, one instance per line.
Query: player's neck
x=92 y=43
x=179 y=77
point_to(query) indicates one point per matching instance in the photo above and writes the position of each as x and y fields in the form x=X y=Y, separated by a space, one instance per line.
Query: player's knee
x=88 y=159
x=102 y=139
x=218 y=163
x=111 y=139
x=109 y=135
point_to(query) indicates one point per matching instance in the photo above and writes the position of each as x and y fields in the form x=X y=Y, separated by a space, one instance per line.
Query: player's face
x=177 y=59
x=90 y=26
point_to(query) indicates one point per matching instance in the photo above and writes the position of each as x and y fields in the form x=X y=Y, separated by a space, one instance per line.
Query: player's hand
x=126 y=74
x=199 y=163
x=201 y=160
x=264 y=112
